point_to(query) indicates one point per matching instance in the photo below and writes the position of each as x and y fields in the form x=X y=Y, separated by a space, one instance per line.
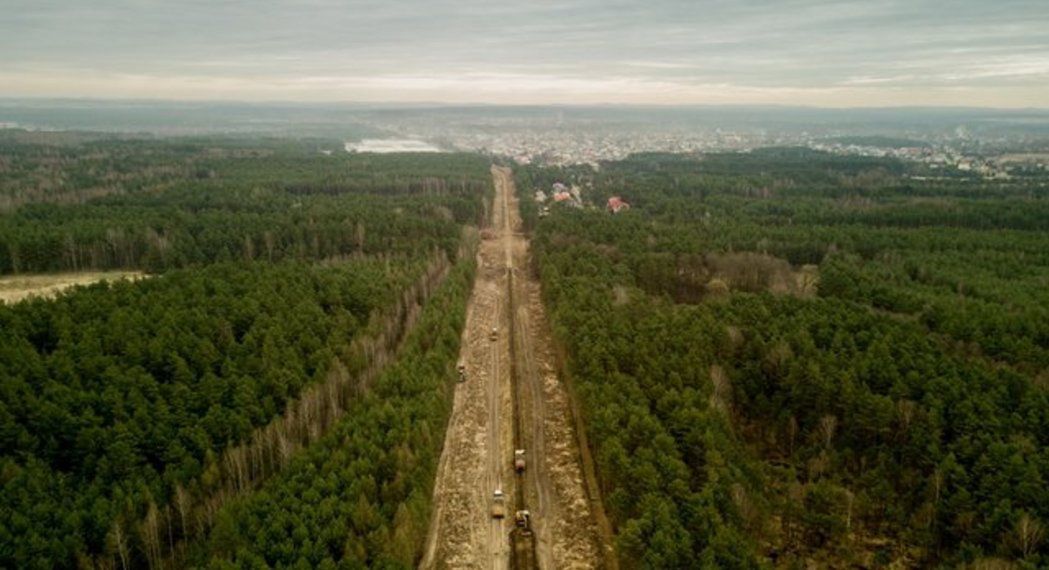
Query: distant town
x=560 y=142
x=968 y=144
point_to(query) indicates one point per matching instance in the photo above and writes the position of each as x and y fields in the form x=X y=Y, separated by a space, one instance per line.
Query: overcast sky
x=809 y=52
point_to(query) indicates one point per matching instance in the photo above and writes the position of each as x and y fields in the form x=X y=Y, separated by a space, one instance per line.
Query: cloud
x=537 y=51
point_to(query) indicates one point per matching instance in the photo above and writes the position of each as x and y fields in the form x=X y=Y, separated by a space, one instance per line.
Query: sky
x=871 y=53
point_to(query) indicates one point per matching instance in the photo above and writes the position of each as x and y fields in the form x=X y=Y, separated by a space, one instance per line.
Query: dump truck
x=522 y=542
x=462 y=371
x=519 y=460
x=523 y=520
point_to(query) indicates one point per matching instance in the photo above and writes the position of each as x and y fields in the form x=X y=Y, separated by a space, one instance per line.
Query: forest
x=360 y=496
x=782 y=358
x=293 y=301
x=790 y=358
x=199 y=202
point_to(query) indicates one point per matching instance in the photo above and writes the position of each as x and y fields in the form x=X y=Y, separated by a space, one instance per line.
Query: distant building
x=616 y=205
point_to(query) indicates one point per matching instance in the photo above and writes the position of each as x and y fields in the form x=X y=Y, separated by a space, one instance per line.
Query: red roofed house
x=616 y=205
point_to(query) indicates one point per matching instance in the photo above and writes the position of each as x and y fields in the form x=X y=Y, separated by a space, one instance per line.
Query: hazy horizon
x=809 y=53
x=378 y=104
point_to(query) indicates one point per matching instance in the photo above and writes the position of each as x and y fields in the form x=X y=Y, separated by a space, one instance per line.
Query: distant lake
x=390 y=145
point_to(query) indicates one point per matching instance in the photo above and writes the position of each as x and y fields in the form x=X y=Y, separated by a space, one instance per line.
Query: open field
x=384 y=146
x=15 y=288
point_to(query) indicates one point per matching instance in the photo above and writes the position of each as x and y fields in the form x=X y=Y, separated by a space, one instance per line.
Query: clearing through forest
x=511 y=398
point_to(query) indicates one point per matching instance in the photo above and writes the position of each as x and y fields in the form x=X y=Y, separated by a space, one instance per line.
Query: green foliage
x=270 y=260
x=116 y=393
x=892 y=408
x=360 y=496
x=213 y=204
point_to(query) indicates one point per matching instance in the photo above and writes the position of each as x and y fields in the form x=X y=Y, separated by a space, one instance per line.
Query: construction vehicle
x=522 y=542
x=462 y=371
x=519 y=460
x=523 y=520
x=498 y=504
x=494 y=335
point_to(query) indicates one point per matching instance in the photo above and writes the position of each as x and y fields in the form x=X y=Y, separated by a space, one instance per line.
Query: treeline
x=224 y=203
x=361 y=496
x=131 y=414
x=766 y=382
x=115 y=395
x=969 y=262
x=154 y=236
x=74 y=167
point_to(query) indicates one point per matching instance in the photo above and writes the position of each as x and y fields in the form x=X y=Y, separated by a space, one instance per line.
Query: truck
x=522 y=542
x=462 y=371
x=523 y=520
x=498 y=504
x=519 y=460
x=494 y=335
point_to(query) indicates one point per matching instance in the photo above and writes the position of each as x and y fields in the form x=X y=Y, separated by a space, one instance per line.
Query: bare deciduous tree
x=1028 y=534
x=828 y=425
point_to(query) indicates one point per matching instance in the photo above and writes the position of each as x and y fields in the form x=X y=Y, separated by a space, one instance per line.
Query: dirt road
x=515 y=368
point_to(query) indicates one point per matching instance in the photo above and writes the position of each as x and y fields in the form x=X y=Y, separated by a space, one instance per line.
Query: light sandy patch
x=15 y=288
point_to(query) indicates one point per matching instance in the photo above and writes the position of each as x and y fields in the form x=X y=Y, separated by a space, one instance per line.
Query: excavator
x=522 y=541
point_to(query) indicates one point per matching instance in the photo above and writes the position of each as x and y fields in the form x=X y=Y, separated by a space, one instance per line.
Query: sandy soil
x=565 y=529
x=480 y=440
x=14 y=288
